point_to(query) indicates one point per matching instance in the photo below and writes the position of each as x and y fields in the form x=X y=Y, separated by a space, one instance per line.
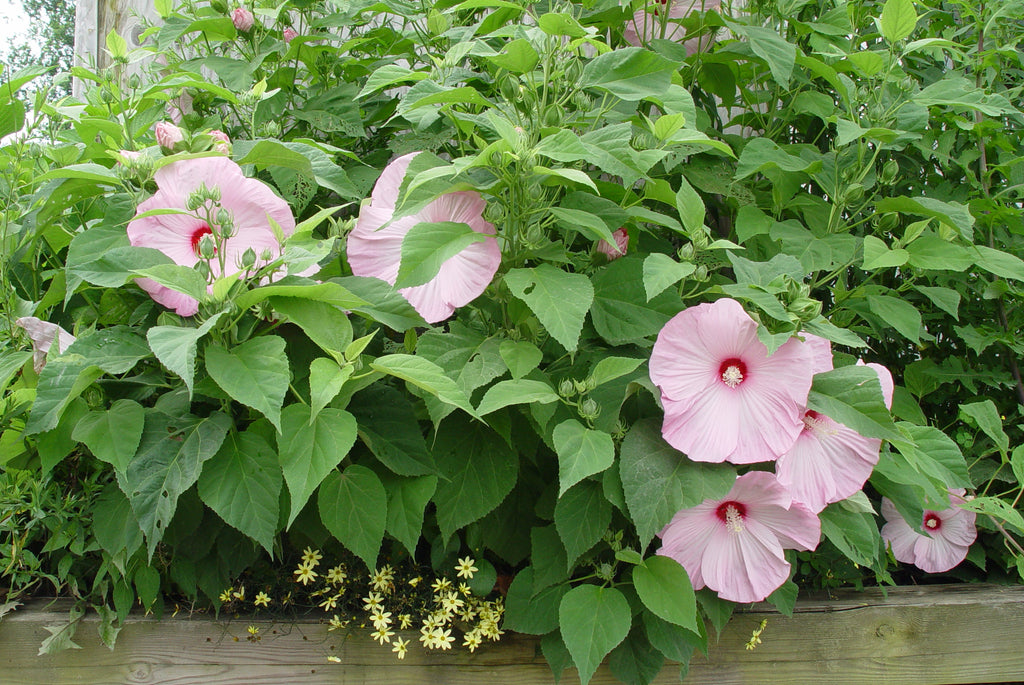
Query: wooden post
x=94 y=19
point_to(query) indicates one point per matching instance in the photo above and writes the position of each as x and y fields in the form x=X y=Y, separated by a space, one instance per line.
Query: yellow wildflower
x=465 y=568
x=400 y=647
x=305 y=574
x=311 y=557
x=262 y=599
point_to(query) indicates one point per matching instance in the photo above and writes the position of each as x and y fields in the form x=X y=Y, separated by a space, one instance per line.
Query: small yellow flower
x=336 y=623
x=381 y=619
x=262 y=599
x=464 y=590
x=465 y=568
x=400 y=647
x=253 y=630
x=305 y=574
x=441 y=585
x=450 y=602
x=373 y=601
x=444 y=638
x=382 y=635
x=226 y=595
x=330 y=603
x=333 y=659
x=404 y=621
x=472 y=640
x=413 y=582
x=382 y=579
x=239 y=594
x=311 y=557
x=337 y=575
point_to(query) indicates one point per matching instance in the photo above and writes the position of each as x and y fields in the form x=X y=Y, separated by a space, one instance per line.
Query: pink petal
x=770 y=504
x=937 y=555
x=183 y=305
x=385 y=191
x=703 y=430
x=43 y=334
x=884 y=379
x=821 y=352
x=828 y=463
x=688 y=535
x=898 y=533
x=746 y=566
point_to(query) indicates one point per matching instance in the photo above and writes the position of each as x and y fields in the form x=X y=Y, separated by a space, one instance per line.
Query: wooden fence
x=936 y=635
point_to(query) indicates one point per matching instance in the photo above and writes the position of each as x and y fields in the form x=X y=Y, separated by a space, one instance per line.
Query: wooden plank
x=937 y=635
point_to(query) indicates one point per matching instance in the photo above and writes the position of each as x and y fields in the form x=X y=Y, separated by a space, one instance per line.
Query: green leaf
x=952 y=213
x=772 y=48
x=112 y=435
x=661 y=272
x=329 y=293
x=558 y=24
x=1017 y=463
x=477 y=471
x=588 y=224
x=389 y=428
x=308 y=451
x=254 y=373
x=629 y=73
x=242 y=483
x=429 y=245
x=666 y=591
x=852 y=396
x=635 y=661
x=324 y=323
x=517 y=56
x=558 y=299
x=464 y=354
x=658 y=480
x=762 y=154
x=114 y=524
x=610 y=368
x=61 y=636
x=946 y=299
x=877 y=255
x=520 y=357
x=986 y=416
x=677 y=644
x=581 y=452
x=854 y=533
x=425 y=375
x=999 y=263
x=382 y=303
x=326 y=379
x=933 y=453
x=997 y=509
x=170 y=457
x=899 y=314
x=407 y=501
x=175 y=347
x=593 y=620
x=621 y=311
x=181 y=279
x=582 y=517
x=530 y=613
x=550 y=560
x=516 y=391
x=61 y=380
x=934 y=253
x=898 y=19
x=12 y=117
x=354 y=507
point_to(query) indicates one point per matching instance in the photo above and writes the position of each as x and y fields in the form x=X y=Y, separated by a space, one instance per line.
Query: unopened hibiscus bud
x=271 y=129
x=887 y=222
x=168 y=135
x=289 y=34
x=223 y=143
x=219 y=6
x=207 y=246
x=805 y=308
x=685 y=253
x=242 y=19
x=248 y=260
x=195 y=200
x=566 y=388
x=700 y=273
x=590 y=409
x=618 y=249
x=889 y=172
x=226 y=222
x=266 y=255
x=128 y=157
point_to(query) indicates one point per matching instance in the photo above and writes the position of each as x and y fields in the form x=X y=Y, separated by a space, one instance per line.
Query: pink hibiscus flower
x=724 y=398
x=735 y=545
x=619 y=248
x=242 y=18
x=250 y=204
x=375 y=245
x=646 y=23
x=43 y=334
x=950 y=534
x=829 y=461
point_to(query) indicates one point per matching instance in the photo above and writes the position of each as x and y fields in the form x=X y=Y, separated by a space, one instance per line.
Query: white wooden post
x=94 y=19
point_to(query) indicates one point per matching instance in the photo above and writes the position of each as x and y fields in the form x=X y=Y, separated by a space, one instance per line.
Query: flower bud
x=242 y=19
x=888 y=221
x=566 y=388
x=207 y=246
x=889 y=172
x=195 y=199
x=168 y=135
x=853 y=193
x=289 y=34
x=618 y=249
x=805 y=308
x=686 y=252
x=226 y=222
x=223 y=144
x=248 y=260
x=590 y=409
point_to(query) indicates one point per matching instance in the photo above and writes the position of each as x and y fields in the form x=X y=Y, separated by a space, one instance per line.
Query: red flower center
x=733 y=371
x=197 y=235
x=932 y=521
x=732 y=514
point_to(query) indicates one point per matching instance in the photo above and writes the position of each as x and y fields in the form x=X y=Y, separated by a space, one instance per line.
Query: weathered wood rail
x=936 y=635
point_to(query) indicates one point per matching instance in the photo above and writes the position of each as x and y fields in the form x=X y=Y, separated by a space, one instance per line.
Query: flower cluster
x=726 y=399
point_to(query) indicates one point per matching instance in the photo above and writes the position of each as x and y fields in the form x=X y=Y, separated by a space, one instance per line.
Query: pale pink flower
x=223 y=143
x=375 y=245
x=129 y=156
x=735 y=545
x=724 y=398
x=618 y=249
x=43 y=334
x=168 y=135
x=289 y=34
x=829 y=461
x=251 y=204
x=242 y=19
x=647 y=23
x=950 y=534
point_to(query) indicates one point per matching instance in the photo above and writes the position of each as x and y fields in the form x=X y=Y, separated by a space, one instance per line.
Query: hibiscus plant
x=647 y=312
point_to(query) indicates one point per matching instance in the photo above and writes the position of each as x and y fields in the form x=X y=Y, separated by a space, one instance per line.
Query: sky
x=15 y=24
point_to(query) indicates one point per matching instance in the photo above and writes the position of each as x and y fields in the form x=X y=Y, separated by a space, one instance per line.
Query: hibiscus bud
x=605 y=572
x=853 y=193
x=168 y=135
x=700 y=273
x=619 y=430
x=271 y=129
x=590 y=409
x=223 y=143
x=805 y=308
x=579 y=386
x=888 y=221
x=685 y=253
x=195 y=200
x=242 y=19
x=248 y=260
x=207 y=246
x=566 y=388
x=889 y=171
x=618 y=249
x=289 y=34
x=219 y=6
x=226 y=223
x=266 y=255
